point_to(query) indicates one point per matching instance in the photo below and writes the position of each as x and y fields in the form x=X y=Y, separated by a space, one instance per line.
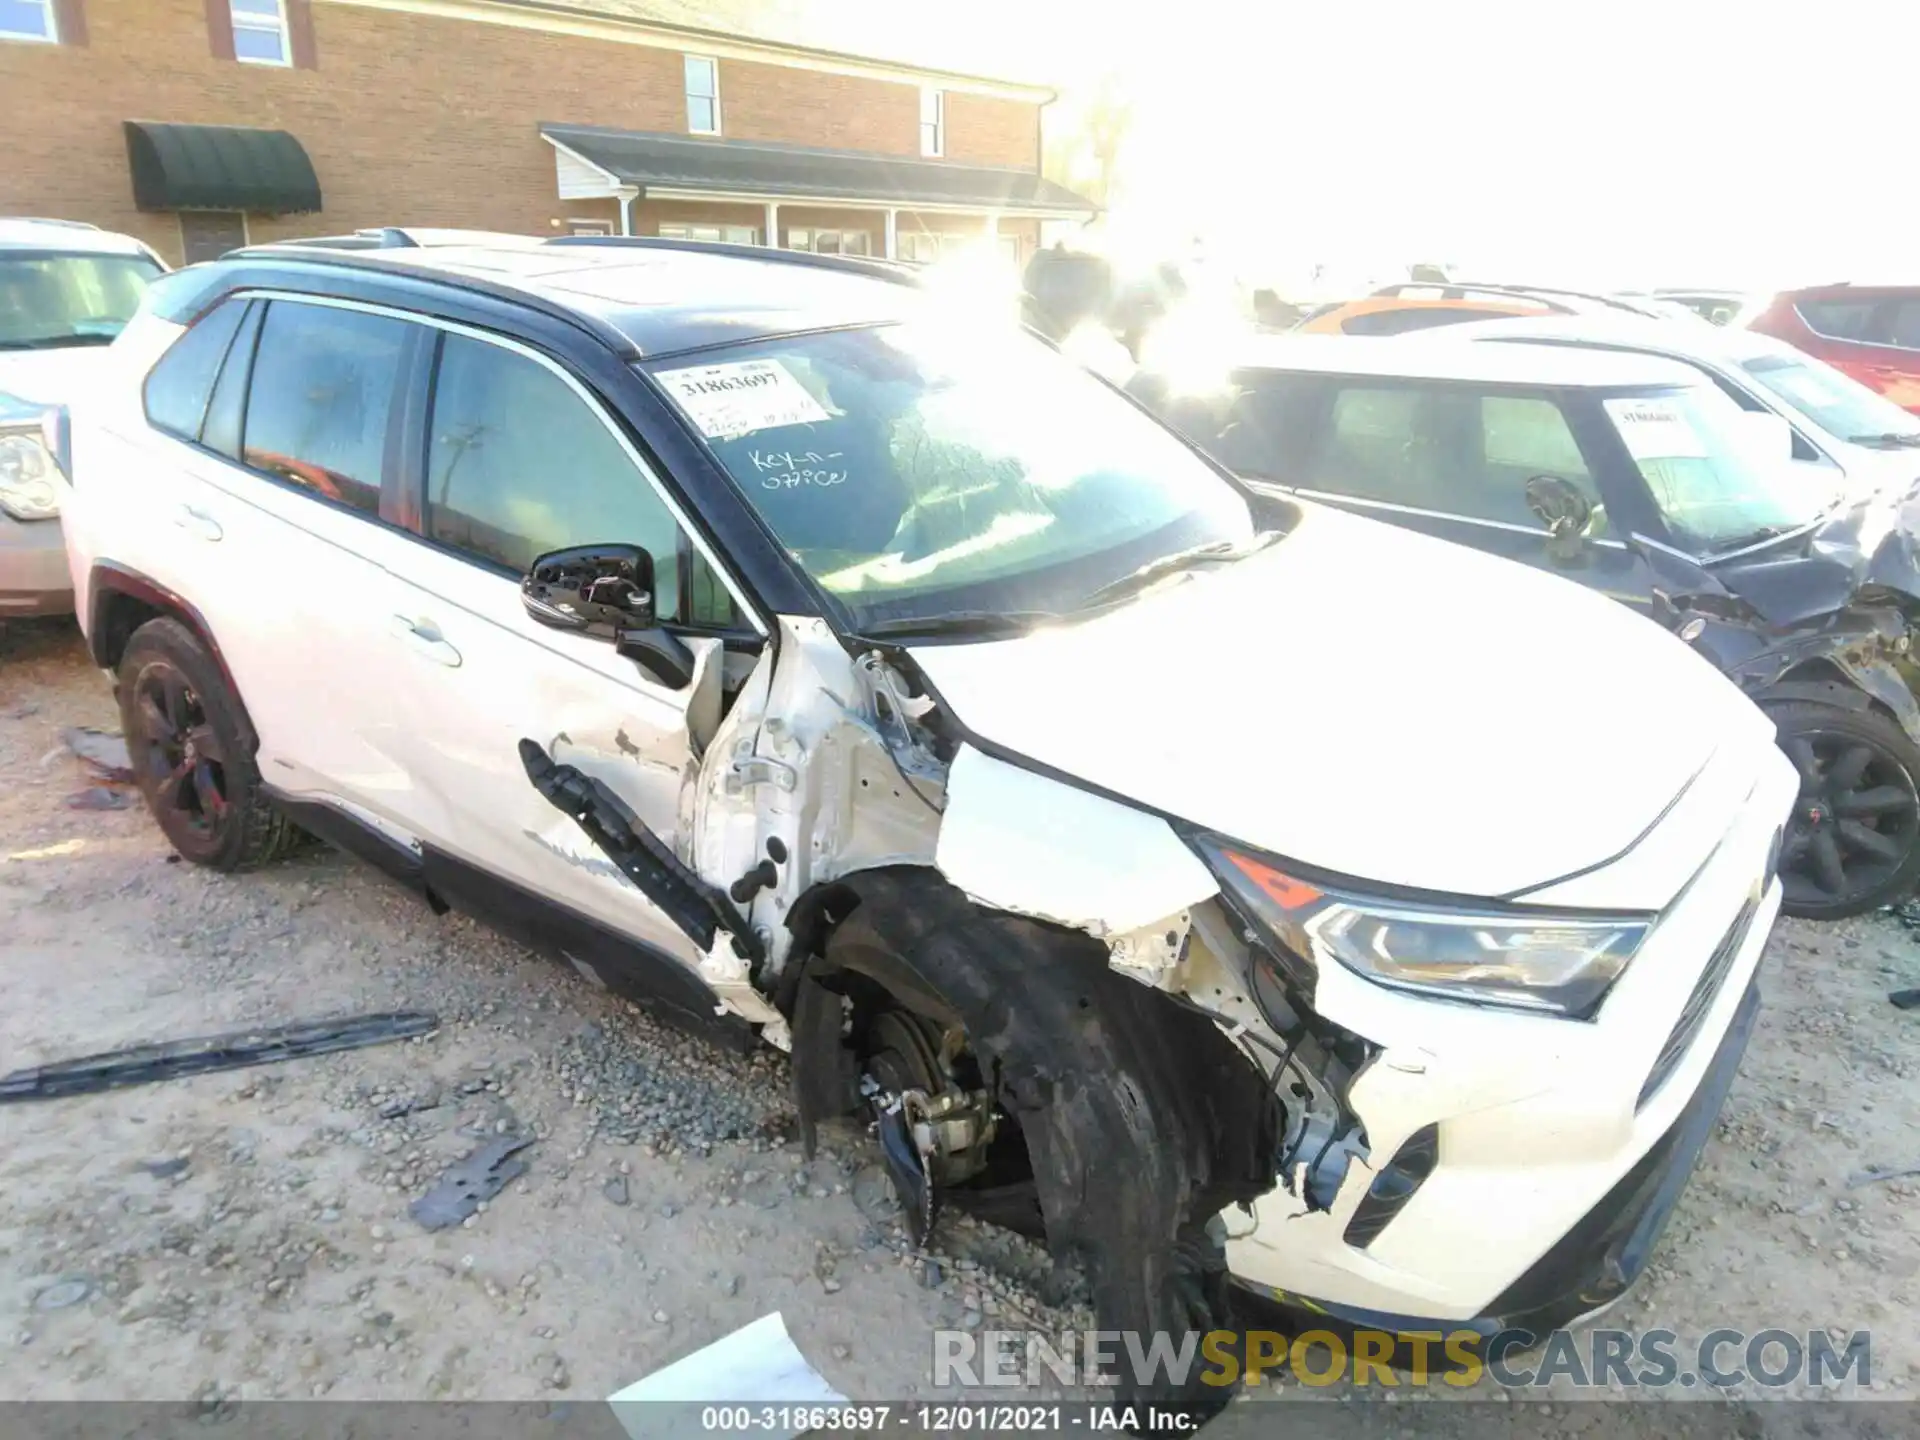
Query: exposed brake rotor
x=932 y=1132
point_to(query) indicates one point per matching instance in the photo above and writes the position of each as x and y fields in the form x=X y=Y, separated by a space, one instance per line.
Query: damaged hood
x=50 y=377
x=1368 y=701
x=1873 y=540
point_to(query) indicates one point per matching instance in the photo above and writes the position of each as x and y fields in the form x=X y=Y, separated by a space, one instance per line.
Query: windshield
x=52 y=300
x=923 y=470
x=1838 y=403
x=1712 y=471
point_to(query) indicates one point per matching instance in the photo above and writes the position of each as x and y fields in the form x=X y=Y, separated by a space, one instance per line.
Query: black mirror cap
x=603 y=590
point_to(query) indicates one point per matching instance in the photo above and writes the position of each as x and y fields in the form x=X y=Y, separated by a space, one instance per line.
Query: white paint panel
x=1018 y=841
x=578 y=180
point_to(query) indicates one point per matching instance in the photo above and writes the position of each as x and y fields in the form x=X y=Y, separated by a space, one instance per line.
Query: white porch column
x=992 y=228
x=626 y=196
x=773 y=224
x=892 y=251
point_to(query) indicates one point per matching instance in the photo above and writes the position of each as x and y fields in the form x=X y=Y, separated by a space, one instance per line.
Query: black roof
x=643 y=297
x=677 y=162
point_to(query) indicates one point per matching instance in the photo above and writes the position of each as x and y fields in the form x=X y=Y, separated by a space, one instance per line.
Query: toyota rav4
x=1213 y=884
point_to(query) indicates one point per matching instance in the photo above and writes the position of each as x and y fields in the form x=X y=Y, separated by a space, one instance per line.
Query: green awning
x=219 y=167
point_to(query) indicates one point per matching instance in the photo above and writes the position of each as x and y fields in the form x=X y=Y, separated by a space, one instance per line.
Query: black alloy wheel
x=1853 y=841
x=188 y=739
x=181 y=758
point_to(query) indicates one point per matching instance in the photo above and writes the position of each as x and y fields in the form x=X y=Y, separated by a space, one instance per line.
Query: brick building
x=198 y=125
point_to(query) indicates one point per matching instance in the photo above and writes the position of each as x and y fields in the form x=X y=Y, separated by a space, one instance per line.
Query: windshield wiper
x=983 y=623
x=1889 y=437
x=1213 y=552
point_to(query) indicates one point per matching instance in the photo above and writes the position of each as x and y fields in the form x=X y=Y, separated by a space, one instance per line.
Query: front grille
x=1698 y=1003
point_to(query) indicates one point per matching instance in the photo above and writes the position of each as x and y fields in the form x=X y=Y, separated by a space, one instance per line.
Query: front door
x=519 y=459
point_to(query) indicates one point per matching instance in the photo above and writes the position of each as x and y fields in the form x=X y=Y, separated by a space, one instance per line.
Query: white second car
x=65 y=290
x=1197 y=879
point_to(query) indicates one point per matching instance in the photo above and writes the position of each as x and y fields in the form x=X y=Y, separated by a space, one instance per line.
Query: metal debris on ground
x=100 y=797
x=103 y=751
x=1905 y=999
x=1874 y=1174
x=64 y=1294
x=235 y=1050
x=467 y=1183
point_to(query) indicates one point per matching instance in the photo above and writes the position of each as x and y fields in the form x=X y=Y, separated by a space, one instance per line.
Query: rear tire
x=190 y=752
x=1853 y=842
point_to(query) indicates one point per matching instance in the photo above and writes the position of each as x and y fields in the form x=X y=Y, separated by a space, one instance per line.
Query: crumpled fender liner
x=1142 y=1120
x=1871 y=683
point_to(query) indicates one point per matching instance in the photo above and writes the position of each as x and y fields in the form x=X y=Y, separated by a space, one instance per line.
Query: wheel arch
x=120 y=601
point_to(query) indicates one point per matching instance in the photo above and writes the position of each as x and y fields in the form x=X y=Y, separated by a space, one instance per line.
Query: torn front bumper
x=34 y=579
x=1601 y=1258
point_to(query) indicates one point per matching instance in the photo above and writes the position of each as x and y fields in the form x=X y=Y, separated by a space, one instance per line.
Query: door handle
x=424 y=638
x=197 y=523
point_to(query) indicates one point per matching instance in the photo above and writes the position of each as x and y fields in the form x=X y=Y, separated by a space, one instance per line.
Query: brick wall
x=413 y=119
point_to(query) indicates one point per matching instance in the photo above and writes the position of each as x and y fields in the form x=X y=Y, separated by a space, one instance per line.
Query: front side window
x=1448 y=450
x=933 y=122
x=317 y=405
x=916 y=470
x=178 y=388
x=260 y=32
x=518 y=464
x=703 y=95
x=1837 y=402
x=28 y=20
x=1714 y=485
x=53 y=301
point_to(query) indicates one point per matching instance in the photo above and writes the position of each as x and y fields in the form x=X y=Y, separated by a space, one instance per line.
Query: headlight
x=1559 y=964
x=26 y=477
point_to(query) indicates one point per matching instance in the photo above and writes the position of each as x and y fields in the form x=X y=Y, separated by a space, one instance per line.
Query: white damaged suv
x=1210 y=883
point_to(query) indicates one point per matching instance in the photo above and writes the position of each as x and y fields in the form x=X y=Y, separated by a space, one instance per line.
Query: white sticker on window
x=727 y=401
x=1656 y=430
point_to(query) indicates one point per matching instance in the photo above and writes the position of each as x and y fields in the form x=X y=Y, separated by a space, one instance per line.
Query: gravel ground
x=246 y=1234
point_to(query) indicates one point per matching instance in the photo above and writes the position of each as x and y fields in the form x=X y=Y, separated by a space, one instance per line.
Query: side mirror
x=593 y=589
x=606 y=591
x=1565 y=511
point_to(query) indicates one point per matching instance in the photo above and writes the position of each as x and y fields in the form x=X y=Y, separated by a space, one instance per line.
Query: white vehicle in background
x=66 y=290
x=1837 y=424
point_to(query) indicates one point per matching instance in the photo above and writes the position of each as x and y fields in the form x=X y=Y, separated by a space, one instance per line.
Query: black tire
x=1141 y=1120
x=190 y=753
x=1853 y=843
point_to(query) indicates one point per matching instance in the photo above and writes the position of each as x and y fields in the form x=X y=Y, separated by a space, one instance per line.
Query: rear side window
x=1449 y=451
x=1851 y=319
x=178 y=387
x=317 y=406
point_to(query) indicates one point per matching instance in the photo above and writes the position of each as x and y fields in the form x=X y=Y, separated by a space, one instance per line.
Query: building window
x=209 y=234
x=589 y=227
x=260 y=32
x=933 y=122
x=719 y=234
x=703 y=95
x=830 y=242
x=28 y=20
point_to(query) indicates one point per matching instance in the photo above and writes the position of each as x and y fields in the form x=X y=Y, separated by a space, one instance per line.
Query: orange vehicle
x=1425 y=305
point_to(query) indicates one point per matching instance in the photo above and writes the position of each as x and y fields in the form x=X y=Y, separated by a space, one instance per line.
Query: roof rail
x=1548 y=295
x=873 y=266
x=395 y=261
x=49 y=220
x=1459 y=290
